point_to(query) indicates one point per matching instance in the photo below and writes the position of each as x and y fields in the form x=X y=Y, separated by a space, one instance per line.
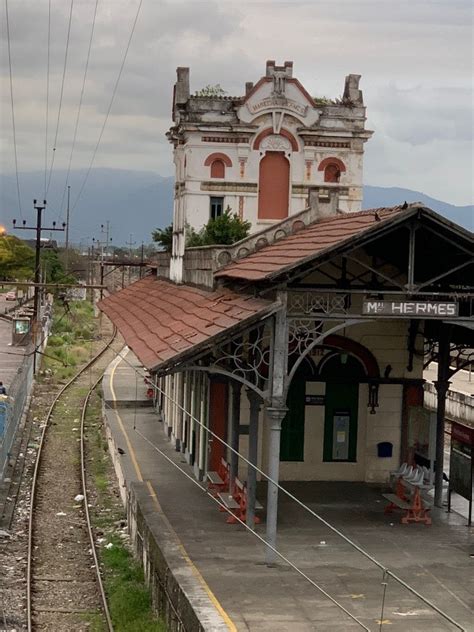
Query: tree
x=17 y=260
x=211 y=91
x=164 y=237
x=53 y=268
x=224 y=230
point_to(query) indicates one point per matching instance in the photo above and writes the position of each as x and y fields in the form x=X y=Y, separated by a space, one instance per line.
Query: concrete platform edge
x=177 y=589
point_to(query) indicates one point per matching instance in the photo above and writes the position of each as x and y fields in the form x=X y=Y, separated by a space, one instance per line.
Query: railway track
x=63 y=583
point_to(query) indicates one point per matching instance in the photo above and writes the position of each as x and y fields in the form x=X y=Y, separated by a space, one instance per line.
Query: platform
x=247 y=594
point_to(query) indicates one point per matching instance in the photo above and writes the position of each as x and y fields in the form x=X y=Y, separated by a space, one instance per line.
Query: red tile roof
x=309 y=243
x=160 y=320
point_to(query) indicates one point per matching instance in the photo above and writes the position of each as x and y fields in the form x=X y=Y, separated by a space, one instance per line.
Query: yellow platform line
x=228 y=621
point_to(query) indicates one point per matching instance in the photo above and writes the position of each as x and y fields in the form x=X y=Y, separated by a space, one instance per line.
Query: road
x=10 y=357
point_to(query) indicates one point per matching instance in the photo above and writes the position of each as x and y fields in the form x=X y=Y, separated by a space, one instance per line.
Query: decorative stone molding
x=275 y=142
x=218 y=156
x=233 y=187
x=225 y=139
x=309 y=142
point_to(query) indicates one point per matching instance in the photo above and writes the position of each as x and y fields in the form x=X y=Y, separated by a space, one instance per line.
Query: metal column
x=275 y=415
x=255 y=404
x=442 y=386
x=235 y=433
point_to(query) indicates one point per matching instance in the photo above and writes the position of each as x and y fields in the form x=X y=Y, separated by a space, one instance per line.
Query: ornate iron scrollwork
x=312 y=304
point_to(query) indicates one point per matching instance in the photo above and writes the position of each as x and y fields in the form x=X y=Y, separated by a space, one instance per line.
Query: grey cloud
x=391 y=44
x=442 y=113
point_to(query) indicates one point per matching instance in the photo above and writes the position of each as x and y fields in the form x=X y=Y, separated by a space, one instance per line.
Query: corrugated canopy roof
x=311 y=241
x=162 y=322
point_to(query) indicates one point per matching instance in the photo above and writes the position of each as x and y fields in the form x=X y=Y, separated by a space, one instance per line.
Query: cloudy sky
x=415 y=58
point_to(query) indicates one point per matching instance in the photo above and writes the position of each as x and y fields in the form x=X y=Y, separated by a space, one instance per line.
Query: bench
x=219 y=481
x=241 y=498
x=408 y=498
x=228 y=501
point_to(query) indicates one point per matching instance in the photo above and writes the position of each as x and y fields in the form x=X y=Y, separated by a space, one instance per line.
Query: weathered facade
x=300 y=348
x=260 y=153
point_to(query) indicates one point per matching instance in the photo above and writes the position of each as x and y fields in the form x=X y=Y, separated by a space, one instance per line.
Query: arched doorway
x=342 y=373
x=274 y=186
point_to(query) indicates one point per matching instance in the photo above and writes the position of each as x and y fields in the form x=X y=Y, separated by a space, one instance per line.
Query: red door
x=273 y=186
x=218 y=407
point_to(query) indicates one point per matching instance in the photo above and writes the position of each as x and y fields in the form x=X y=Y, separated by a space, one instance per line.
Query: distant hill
x=383 y=196
x=136 y=202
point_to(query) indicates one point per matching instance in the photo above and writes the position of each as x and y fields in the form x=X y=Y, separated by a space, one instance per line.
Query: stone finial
x=272 y=68
x=248 y=87
x=351 y=90
x=182 y=85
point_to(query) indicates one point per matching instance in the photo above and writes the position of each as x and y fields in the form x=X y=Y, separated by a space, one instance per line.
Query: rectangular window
x=216 y=207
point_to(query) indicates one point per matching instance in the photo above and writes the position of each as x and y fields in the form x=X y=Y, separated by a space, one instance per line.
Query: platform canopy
x=163 y=323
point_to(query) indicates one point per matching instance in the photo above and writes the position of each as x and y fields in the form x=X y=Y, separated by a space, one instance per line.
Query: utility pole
x=130 y=244
x=67 y=229
x=106 y=229
x=38 y=228
x=141 y=261
x=102 y=245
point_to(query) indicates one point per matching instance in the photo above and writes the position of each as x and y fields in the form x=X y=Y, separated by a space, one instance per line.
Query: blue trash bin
x=384 y=449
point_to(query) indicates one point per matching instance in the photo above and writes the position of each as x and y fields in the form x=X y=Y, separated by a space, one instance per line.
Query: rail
x=34 y=484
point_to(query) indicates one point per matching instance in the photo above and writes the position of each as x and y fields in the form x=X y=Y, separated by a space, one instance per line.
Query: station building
x=303 y=345
x=257 y=154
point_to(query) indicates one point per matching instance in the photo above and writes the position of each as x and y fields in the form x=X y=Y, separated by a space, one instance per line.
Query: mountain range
x=136 y=202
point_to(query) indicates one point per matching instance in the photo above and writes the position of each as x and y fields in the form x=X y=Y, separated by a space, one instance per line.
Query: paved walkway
x=434 y=560
x=462 y=381
x=10 y=357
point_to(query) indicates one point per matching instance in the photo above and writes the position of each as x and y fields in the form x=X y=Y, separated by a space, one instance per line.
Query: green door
x=342 y=374
x=292 y=427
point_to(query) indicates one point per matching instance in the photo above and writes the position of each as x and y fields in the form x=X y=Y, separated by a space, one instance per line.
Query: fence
x=12 y=407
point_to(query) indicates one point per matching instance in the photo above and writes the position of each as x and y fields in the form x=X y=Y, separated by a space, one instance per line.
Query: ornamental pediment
x=278 y=94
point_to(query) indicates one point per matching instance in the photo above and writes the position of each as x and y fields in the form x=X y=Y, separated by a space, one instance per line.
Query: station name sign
x=279 y=102
x=420 y=309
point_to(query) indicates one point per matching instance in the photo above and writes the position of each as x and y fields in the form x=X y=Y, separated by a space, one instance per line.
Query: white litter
x=61 y=513
x=109 y=545
x=79 y=497
x=323 y=542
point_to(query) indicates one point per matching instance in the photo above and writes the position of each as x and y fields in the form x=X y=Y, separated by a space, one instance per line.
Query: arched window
x=332 y=167
x=217 y=163
x=218 y=169
x=332 y=173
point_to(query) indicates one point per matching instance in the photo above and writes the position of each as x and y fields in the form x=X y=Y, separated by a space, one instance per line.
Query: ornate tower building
x=260 y=153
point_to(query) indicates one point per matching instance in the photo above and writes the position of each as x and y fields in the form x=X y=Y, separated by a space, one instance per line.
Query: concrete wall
x=459 y=406
x=176 y=594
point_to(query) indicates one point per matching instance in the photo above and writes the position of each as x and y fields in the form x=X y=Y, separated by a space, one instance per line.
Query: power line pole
x=38 y=228
x=106 y=229
x=67 y=229
x=141 y=262
x=130 y=244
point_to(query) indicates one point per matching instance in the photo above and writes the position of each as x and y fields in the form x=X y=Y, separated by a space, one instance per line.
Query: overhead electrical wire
x=47 y=101
x=386 y=572
x=60 y=97
x=253 y=531
x=80 y=107
x=13 y=109
x=109 y=108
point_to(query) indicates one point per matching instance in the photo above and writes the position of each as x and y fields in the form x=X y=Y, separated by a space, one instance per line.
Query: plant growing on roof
x=211 y=91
